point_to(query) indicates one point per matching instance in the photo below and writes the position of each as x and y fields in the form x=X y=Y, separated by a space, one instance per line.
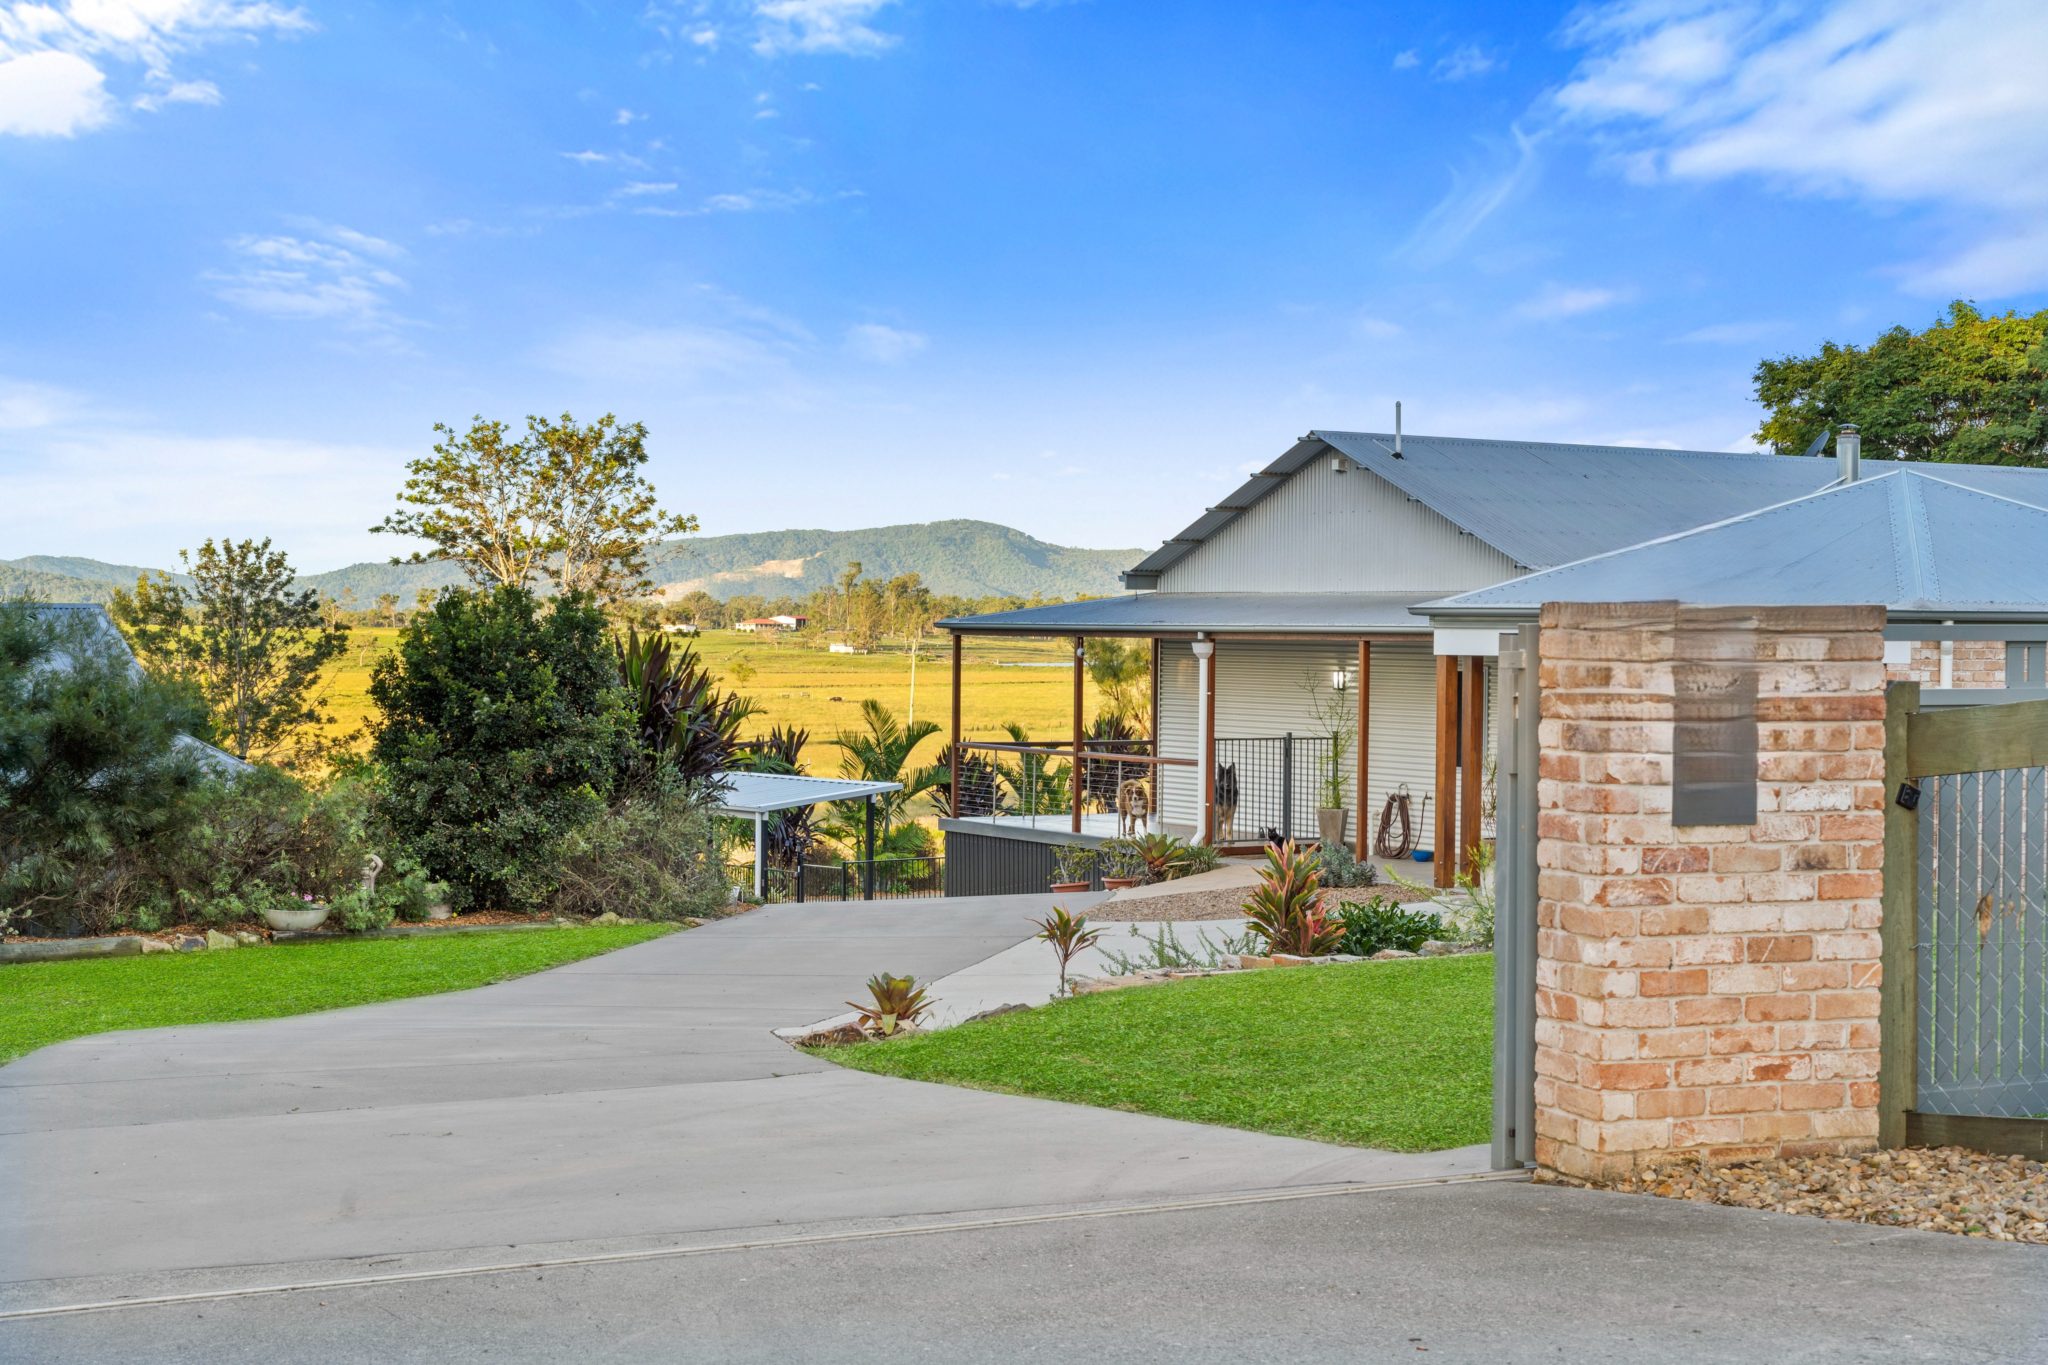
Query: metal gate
x=1964 y=1029
x=1514 y=885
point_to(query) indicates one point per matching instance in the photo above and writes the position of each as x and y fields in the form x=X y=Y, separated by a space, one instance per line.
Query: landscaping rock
x=247 y=939
x=189 y=943
x=64 y=949
x=1389 y=954
x=157 y=945
x=216 y=940
x=1437 y=947
x=608 y=917
x=692 y=922
x=997 y=1011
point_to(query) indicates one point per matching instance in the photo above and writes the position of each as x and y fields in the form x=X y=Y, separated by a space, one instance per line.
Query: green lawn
x=46 y=1002
x=1395 y=1055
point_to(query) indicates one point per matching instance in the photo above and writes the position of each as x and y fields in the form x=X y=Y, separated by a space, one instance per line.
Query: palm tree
x=880 y=754
x=1041 y=786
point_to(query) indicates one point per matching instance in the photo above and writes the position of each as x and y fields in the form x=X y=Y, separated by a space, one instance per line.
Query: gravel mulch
x=1227 y=902
x=1937 y=1189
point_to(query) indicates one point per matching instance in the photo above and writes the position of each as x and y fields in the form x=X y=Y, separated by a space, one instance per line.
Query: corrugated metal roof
x=1924 y=546
x=745 y=793
x=99 y=622
x=1158 y=613
x=1544 y=504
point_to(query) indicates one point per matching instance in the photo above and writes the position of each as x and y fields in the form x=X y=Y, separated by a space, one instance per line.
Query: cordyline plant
x=894 y=1003
x=1286 y=909
x=1068 y=934
x=682 y=718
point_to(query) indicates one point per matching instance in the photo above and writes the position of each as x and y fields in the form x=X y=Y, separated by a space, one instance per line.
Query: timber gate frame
x=1964 y=1021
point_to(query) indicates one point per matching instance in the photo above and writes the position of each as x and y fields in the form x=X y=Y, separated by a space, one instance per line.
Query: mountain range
x=954 y=558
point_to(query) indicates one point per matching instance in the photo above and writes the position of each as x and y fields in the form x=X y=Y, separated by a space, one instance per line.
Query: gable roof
x=1923 y=546
x=1544 y=504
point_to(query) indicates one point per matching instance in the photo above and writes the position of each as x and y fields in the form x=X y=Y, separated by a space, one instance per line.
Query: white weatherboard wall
x=1321 y=531
x=1259 y=695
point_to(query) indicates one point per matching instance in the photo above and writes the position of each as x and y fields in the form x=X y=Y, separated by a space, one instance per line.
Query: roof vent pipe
x=1849 y=454
x=1397 y=428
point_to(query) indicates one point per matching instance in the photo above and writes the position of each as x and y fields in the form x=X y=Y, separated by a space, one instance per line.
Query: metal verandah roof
x=1222 y=613
x=1924 y=547
x=746 y=793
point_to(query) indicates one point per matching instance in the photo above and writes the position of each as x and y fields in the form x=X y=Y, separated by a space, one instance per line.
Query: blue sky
x=1070 y=266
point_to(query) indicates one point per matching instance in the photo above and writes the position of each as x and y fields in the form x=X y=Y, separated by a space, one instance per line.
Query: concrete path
x=635 y=1095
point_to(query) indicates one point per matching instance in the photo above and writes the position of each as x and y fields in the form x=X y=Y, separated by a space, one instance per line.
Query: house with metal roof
x=1365 y=577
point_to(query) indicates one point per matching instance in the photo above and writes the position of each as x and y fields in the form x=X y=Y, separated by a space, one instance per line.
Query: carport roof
x=748 y=793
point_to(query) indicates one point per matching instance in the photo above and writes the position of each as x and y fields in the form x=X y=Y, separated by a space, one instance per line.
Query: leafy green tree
x=387 y=607
x=1970 y=389
x=505 y=731
x=566 y=502
x=252 y=644
x=93 y=779
x=1122 y=673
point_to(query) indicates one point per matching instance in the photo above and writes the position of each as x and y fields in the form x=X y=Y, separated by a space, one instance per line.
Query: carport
x=759 y=795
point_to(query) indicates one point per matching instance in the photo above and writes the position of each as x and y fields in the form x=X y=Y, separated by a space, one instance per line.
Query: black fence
x=1269 y=786
x=870 y=879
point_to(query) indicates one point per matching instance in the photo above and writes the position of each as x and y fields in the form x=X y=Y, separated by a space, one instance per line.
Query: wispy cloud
x=1408 y=60
x=640 y=188
x=1554 y=302
x=842 y=26
x=1731 y=333
x=55 y=62
x=1477 y=193
x=1887 y=101
x=1464 y=62
x=25 y=406
x=883 y=345
x=329 y=273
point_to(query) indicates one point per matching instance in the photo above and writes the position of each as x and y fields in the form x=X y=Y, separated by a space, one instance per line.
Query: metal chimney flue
x=1397 y=428
x=1849 y=454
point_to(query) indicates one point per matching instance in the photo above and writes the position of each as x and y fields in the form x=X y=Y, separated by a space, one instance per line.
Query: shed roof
x=94 y=619
x=1544 y=504
x=746 y=793
x=1179 y=613
x=1923 y=545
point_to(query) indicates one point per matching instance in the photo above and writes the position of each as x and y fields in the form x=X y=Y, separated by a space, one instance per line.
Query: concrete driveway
x=639 y=1094
x=614 y=1161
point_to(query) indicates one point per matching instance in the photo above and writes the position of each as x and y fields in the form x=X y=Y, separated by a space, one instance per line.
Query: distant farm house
x=769 y=625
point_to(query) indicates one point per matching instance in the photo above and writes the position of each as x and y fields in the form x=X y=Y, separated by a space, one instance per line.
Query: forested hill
x=954 y=558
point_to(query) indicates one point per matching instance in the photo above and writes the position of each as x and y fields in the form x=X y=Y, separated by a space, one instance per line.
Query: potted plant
x=1337 y=719
x=296 y=917
x=1073 y=867
x=1121 y=866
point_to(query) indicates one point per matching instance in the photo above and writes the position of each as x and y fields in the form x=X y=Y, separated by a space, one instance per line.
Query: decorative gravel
x=1938 y=1189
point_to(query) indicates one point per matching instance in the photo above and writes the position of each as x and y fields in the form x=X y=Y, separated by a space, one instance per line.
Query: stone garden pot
x=296 y=921
x=1331 y=823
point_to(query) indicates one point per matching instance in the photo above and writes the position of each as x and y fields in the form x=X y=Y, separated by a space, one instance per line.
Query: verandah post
x=1364 y=738
x=1080 y=678
x=1445 y=852
x=1472 y=760
x=953 y=789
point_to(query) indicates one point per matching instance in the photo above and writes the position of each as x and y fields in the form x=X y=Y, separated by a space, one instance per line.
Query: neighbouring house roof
x=1924 y=545
x=745 y=793
x=1184 y=613
x=95 y=615
x=1544 y=504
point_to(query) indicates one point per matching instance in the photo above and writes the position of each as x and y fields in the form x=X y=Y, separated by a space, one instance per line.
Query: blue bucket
x=1422 y=855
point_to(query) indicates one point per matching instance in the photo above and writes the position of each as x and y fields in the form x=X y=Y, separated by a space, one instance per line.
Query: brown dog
x=1133 y=807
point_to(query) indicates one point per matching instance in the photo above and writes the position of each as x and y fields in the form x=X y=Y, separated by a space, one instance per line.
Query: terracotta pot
x=296 y=921
x=1118 y=883
x=1062 y=888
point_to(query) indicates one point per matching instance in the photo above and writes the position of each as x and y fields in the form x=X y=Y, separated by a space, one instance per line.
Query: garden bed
x=44 y=1003
x=1388 y=1055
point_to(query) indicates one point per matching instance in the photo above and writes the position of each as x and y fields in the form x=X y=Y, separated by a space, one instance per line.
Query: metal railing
x=870 y=879
x=1038 y=784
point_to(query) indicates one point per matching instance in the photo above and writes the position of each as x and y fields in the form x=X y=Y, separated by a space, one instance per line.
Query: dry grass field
x=1026 y=681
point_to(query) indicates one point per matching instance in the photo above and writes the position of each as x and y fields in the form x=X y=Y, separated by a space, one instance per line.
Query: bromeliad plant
x=1159 y=857
x=1068 y=934
x=1286 y=909
x=894 y=1003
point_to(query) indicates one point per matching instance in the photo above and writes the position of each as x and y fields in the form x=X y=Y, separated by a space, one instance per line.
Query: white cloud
x=1895 y=102
x=51 y=94
x=1556 y=301
x=1463 y=63
x=588 y=158
x=54 y=62
x=1732 y=333
x=704 y=37
x=24 y=406
x=684 y=355
x=639 y=188
x=1407 y=61
x=626 y=117
x=1475 y=196
x=1375 y=328
x=842 y=26
x=883 y=345
x=330 y=274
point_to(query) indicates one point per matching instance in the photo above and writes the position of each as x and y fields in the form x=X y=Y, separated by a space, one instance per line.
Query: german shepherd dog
x=1226 y=803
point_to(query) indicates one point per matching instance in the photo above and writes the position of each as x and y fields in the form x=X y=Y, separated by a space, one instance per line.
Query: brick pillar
x=1707 y=989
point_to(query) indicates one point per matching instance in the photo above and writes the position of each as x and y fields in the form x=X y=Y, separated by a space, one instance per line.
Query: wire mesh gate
x=1965 y=1014
x=1273 y=785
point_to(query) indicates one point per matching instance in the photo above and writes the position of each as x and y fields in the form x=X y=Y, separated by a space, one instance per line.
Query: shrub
x=1285 y=911
x=1156 y=857
x=505 y=730
x=651 y=855
x=93 y=775
x=1340 y=867
x=1379 y=924
x=1068 y=934
x=894 y=1002
x=268 y=840
x=1074 y=863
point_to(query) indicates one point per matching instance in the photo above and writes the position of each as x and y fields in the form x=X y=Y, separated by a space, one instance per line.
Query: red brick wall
x=1974 y=663
x=1708 y=989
